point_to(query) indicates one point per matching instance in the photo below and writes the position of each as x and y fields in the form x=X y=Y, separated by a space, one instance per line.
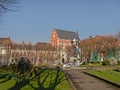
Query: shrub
x=12 y=67
x=24 y=65
x=85 y=63
x=118 y=62
x=118 y=70
x=96 y=62
x=106 y=62
x=113 y=61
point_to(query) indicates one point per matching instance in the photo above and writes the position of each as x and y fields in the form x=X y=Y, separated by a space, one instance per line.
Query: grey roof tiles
x=69 y=35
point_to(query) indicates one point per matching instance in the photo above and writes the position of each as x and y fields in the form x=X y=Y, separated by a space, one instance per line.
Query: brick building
x=45 y=53
x=62 y=38
x=40 y=53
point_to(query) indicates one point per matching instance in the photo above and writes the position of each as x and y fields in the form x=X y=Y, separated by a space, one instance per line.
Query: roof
x=44 y=46
x=98 y=40
x=69 y=35
x=5 y=40
x=38 y=46
x=22 y=46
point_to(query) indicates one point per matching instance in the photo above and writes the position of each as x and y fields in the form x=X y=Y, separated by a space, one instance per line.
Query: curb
x=113 y=83
x=70 y=81
x=68 y=78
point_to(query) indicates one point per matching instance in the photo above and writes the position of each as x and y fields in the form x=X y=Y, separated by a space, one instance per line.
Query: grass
x=6 y=85
x=92 y=64
x=47 y=79
x=110 y=75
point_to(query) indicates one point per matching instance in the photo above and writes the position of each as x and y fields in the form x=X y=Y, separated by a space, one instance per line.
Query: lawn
x=47 y=79
x=110 y=75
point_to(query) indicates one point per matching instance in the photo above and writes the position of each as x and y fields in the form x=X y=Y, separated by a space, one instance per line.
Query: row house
x=46 y=54
x=22 y=50
x=40 y=53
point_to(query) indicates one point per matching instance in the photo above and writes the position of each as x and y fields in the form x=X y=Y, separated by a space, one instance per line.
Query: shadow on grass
x=20 y=84
x=51 y=77
x=54 y=79
x=6 y=78
x=57 y=80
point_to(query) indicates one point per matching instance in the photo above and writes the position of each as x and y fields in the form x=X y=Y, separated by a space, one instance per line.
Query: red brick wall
x=54 y=39
x=56 y=42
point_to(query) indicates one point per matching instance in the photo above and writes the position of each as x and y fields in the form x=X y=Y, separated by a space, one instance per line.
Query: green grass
x=110 y=75
x=7 y=84
x=47 y=79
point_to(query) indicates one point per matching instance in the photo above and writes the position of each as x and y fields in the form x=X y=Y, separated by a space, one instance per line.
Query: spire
x=77 y=32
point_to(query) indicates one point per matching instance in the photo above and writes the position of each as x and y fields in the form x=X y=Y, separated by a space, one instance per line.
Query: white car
x=72 y=64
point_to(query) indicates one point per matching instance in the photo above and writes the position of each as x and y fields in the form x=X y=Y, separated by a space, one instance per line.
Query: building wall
x=54 y=39
x=63 y=43
x=35 y=56
x=58 y=43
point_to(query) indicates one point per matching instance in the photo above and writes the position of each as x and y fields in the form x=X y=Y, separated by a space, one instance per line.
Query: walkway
x=83 y=81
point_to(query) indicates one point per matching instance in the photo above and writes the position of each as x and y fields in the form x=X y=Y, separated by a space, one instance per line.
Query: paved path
x=83 y=81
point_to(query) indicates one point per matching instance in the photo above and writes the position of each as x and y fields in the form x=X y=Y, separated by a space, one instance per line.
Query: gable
x=54 y=35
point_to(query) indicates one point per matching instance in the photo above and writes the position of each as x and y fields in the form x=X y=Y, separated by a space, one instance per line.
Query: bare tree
x=100 y=44
x=7 y=5
x=117 y=36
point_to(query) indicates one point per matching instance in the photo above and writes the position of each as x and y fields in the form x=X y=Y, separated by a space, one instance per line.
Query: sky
x=35 y=19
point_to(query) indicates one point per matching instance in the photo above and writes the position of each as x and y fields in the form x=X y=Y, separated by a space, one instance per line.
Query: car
x=72 y=64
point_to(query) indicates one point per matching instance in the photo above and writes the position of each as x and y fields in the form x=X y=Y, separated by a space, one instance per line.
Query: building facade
x=46 y=54
x=61 y=39
x=5 y=47
x=39 y=54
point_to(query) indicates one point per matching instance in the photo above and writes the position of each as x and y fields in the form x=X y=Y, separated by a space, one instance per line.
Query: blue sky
x=35 y=19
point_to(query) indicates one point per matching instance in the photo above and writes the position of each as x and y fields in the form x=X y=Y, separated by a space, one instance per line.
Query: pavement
x=83 y=81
